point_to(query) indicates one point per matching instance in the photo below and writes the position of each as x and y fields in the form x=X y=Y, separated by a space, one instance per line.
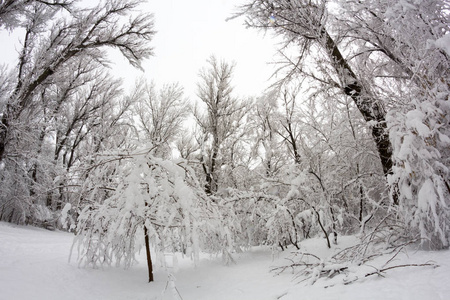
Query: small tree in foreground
x=156 y=202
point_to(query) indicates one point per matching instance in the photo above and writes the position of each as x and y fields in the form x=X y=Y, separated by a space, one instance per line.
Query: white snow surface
x=34 y=265
x=444 y=43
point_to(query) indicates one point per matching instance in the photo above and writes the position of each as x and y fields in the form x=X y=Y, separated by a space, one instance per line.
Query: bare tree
x=13 y=12
x=305 y=22
x=61 y=106
x=223 y=117
x=86 y=33
x=161 y=114
x=289 y=130
x=187 y=146
x=390 y=59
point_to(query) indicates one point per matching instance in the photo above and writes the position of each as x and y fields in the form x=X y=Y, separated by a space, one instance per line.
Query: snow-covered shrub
x=421 y=142
x=151 y=196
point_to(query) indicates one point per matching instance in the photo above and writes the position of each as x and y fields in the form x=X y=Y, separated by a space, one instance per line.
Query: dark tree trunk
x=321 y=227
x=361 y=203
x=293 y=142
x=4 y=124
x=367 y=105
x=149 y=258
x=208 y=178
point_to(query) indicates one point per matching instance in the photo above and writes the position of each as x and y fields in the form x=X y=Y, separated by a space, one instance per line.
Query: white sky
x=188 y=33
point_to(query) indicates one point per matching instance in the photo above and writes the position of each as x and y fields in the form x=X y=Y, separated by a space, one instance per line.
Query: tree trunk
x=4 y=125
x=149 y=258
x=367 y=105
x=321 y=227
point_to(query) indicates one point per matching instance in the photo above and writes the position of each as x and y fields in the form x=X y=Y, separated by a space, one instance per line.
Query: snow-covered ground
x=34 y=265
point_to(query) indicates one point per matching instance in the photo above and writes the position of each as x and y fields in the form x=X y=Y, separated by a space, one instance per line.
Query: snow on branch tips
x=155 y=201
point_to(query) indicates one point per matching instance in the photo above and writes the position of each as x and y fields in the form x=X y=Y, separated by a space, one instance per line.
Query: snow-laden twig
x=379 y=271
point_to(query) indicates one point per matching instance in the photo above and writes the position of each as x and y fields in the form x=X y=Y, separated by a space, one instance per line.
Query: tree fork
x=323 y=228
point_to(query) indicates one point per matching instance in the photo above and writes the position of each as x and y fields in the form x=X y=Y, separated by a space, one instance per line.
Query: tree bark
x=367 y=105
x=149 y=258
x=321 y=227
x=4 y=125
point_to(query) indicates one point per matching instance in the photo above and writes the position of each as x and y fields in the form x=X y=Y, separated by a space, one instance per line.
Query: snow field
x=34 y=265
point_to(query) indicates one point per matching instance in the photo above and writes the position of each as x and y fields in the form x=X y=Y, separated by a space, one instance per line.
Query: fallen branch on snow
x=400 y=266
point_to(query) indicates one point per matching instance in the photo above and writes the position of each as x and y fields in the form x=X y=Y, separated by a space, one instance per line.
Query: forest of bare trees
x=353 y=139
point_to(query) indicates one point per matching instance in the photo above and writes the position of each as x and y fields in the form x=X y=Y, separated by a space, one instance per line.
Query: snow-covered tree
x=264 y=125
x=306 y=24
x=161 y=114
x=152 y=201
x=419 y=119
x=59 y=104
x=86 y=33
x=391 y=60
x=221 y=123
x=14 y=13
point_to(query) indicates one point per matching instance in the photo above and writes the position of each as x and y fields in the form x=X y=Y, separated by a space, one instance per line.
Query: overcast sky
x=188 y=33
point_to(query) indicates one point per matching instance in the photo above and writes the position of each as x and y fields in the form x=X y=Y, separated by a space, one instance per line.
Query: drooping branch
x=84 y=35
